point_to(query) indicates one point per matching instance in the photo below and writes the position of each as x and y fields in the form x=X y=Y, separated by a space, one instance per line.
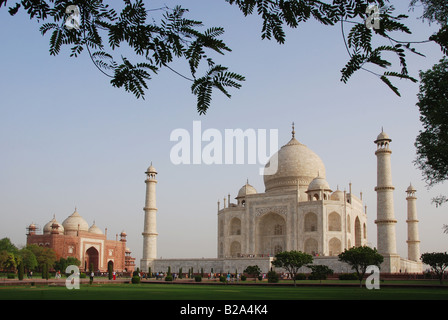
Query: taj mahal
x=298 y=210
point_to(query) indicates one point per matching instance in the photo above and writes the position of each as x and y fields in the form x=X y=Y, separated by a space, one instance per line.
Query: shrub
x=348 y=276
x=272 y=277
x=300 y=276
x=222 y=278
x=243 y=278
x=169 y=278
x=197 y=278
x=135 y=279
x=11 y=276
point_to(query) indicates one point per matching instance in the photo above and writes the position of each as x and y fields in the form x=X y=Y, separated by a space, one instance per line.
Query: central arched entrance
x=92 y=259
x=271 y=234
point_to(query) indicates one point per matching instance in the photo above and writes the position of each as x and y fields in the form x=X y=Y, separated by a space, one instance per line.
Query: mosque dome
x=73 y=221
x=95 y=229
x=49 y=227
x=297 y=167
x=338 y=195
x=319 y=183
x=246 y=190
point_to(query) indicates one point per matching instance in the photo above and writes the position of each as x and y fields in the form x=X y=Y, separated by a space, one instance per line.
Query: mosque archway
x=271 y=234
x=92 y=259
x=110 y=265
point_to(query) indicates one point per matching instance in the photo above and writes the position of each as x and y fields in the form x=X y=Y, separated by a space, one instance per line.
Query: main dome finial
x=293 y=132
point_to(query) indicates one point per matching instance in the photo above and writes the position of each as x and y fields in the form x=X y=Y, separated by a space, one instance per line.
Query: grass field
x=216 y=292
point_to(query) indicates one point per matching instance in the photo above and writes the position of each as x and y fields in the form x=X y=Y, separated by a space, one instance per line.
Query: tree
x=8 y=246
x=7 y=261
x=28 y=259
x=272 y=276
x=89 y=24
x=292 y=261
x=254 y=271
x=438 y=262
x=44 y=256
x=83 y=24
x=320 y=272
x=20 y=271
x=359 y=258
x=45 y=271
x=433 y=10
x=432 y=141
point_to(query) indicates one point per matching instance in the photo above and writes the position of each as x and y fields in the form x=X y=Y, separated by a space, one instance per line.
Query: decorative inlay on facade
x=276 y=209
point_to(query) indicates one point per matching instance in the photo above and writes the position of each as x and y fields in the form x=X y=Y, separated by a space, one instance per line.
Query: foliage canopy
x=94 y=26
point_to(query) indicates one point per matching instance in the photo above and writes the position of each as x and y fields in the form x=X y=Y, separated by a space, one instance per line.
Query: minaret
x=413 y=238
x=386 y=238
x=150 y=226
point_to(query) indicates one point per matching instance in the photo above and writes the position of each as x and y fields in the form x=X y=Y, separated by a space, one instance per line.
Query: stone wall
x=239 y=264
x=209 y=265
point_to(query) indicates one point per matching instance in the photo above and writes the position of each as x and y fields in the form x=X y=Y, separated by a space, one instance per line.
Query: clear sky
x=69 y=139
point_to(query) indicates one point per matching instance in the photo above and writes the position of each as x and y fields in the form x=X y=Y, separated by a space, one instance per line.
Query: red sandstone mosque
x=74 y=238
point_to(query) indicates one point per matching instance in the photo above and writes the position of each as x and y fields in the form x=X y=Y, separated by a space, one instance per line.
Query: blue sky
x=68 y=138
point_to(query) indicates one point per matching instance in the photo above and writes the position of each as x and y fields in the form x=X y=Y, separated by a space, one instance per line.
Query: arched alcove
x=271 y=234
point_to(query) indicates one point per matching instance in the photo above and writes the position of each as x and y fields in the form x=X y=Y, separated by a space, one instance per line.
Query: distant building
x=74 y=238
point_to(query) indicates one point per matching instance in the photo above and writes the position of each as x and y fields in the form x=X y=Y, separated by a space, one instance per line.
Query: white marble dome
x=95 y=229
x=73 y=221
x=297 y=166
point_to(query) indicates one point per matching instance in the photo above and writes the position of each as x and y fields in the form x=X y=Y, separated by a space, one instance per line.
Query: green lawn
x=215 y=292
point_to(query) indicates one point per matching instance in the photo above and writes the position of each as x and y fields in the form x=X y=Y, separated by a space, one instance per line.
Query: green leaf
x=390 y=85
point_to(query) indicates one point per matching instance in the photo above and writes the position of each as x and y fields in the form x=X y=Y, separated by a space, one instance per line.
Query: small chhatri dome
x=95 y=229
x=246 y=190
x=410 y=188
x=151 y=169
x=338 y=195
x=49 y=226
x=319 y=183
x=73 y=221
x=382 y=136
